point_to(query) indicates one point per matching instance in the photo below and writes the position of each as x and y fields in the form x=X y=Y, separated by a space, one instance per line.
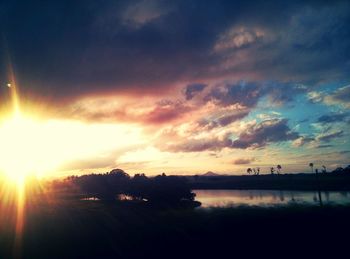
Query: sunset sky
x=181 y=87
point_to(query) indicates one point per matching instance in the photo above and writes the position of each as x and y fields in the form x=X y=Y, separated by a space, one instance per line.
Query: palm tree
x=272 y=170
x=312 y=167
x=318 y=183
x=324 y=170
x=279 y=168
x=249 y=170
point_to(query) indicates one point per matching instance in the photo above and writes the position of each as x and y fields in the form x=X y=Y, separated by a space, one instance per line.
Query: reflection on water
x=231 y=198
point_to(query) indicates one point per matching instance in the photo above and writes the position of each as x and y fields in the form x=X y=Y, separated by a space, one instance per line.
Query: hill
x=210 y=173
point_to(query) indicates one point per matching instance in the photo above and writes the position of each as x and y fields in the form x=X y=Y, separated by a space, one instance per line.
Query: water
x=267 y=198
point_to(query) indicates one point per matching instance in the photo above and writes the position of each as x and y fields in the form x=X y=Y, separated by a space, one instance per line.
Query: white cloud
x=237 y=38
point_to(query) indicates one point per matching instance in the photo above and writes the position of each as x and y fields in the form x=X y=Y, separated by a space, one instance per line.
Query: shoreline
x=287 y=182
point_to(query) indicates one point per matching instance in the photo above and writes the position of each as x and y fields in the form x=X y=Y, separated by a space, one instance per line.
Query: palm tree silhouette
x=279 y=168
x=257 y=170
x=312 y=167
x=249 y=170
x=318 y=183
x=272 y=170
x=324 y=170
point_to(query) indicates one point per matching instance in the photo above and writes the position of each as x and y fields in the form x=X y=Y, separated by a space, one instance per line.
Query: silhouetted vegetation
x=339 y=179
x=160 y=190
x=104 y=186
x=59 y=224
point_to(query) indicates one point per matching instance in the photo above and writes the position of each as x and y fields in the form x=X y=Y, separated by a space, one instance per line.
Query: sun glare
x=20 y=148
x=36 y=147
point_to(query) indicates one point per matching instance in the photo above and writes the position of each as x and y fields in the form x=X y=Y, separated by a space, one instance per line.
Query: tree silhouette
x=272 y=170
x=312 y=167
x=279 y=168
x=324 y=170
x=162 y=189
x=249 y=170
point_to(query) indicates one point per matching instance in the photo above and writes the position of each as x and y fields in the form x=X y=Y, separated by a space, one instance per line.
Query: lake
x=267 y=198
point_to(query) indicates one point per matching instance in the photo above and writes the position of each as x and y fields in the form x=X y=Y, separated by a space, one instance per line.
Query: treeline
x=322 y=181
x=117 y=184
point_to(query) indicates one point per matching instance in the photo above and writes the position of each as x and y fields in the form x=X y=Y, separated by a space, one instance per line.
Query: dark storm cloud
x=248 y=94
x=266 y=132
x=68 y=48
x=229 y=118
x=192 y=89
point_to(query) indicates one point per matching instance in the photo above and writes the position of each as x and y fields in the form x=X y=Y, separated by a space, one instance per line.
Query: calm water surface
x=232 y=198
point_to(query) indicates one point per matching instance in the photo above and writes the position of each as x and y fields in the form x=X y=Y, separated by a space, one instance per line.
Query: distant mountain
x=210 y=173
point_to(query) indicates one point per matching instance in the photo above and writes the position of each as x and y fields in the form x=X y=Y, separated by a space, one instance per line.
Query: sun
x=41 y=147
x=21 y=147
x=38 y=144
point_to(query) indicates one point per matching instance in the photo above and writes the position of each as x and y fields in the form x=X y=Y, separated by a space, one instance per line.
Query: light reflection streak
x=20 y=181
x=20 y=218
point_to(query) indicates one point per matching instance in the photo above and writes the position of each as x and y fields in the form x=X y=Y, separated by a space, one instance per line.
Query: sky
x=181 y=87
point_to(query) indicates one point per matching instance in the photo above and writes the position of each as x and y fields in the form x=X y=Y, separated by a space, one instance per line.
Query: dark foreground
x=64 y=228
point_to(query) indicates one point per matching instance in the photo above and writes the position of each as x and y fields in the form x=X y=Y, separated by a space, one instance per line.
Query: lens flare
x=11 y=139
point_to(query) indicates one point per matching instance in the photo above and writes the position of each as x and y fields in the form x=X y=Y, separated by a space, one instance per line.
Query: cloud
x=315 y=97
x=166 y=111
x=327 y=137
x=333 y=118
x=228 y=118
x=323 y=146
x=192 y=89
x=142 y=112
x=248 y=94
x=269 y=131
x=197 y=145
x=243 y=161
x=243 y=93
x=340 y=97
x=316 y=142
x=256 y=135
x=301 y=141
x=143 y=12
x=221 y=117
x=268 y=116
x=140 y=47
x=237 y=38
